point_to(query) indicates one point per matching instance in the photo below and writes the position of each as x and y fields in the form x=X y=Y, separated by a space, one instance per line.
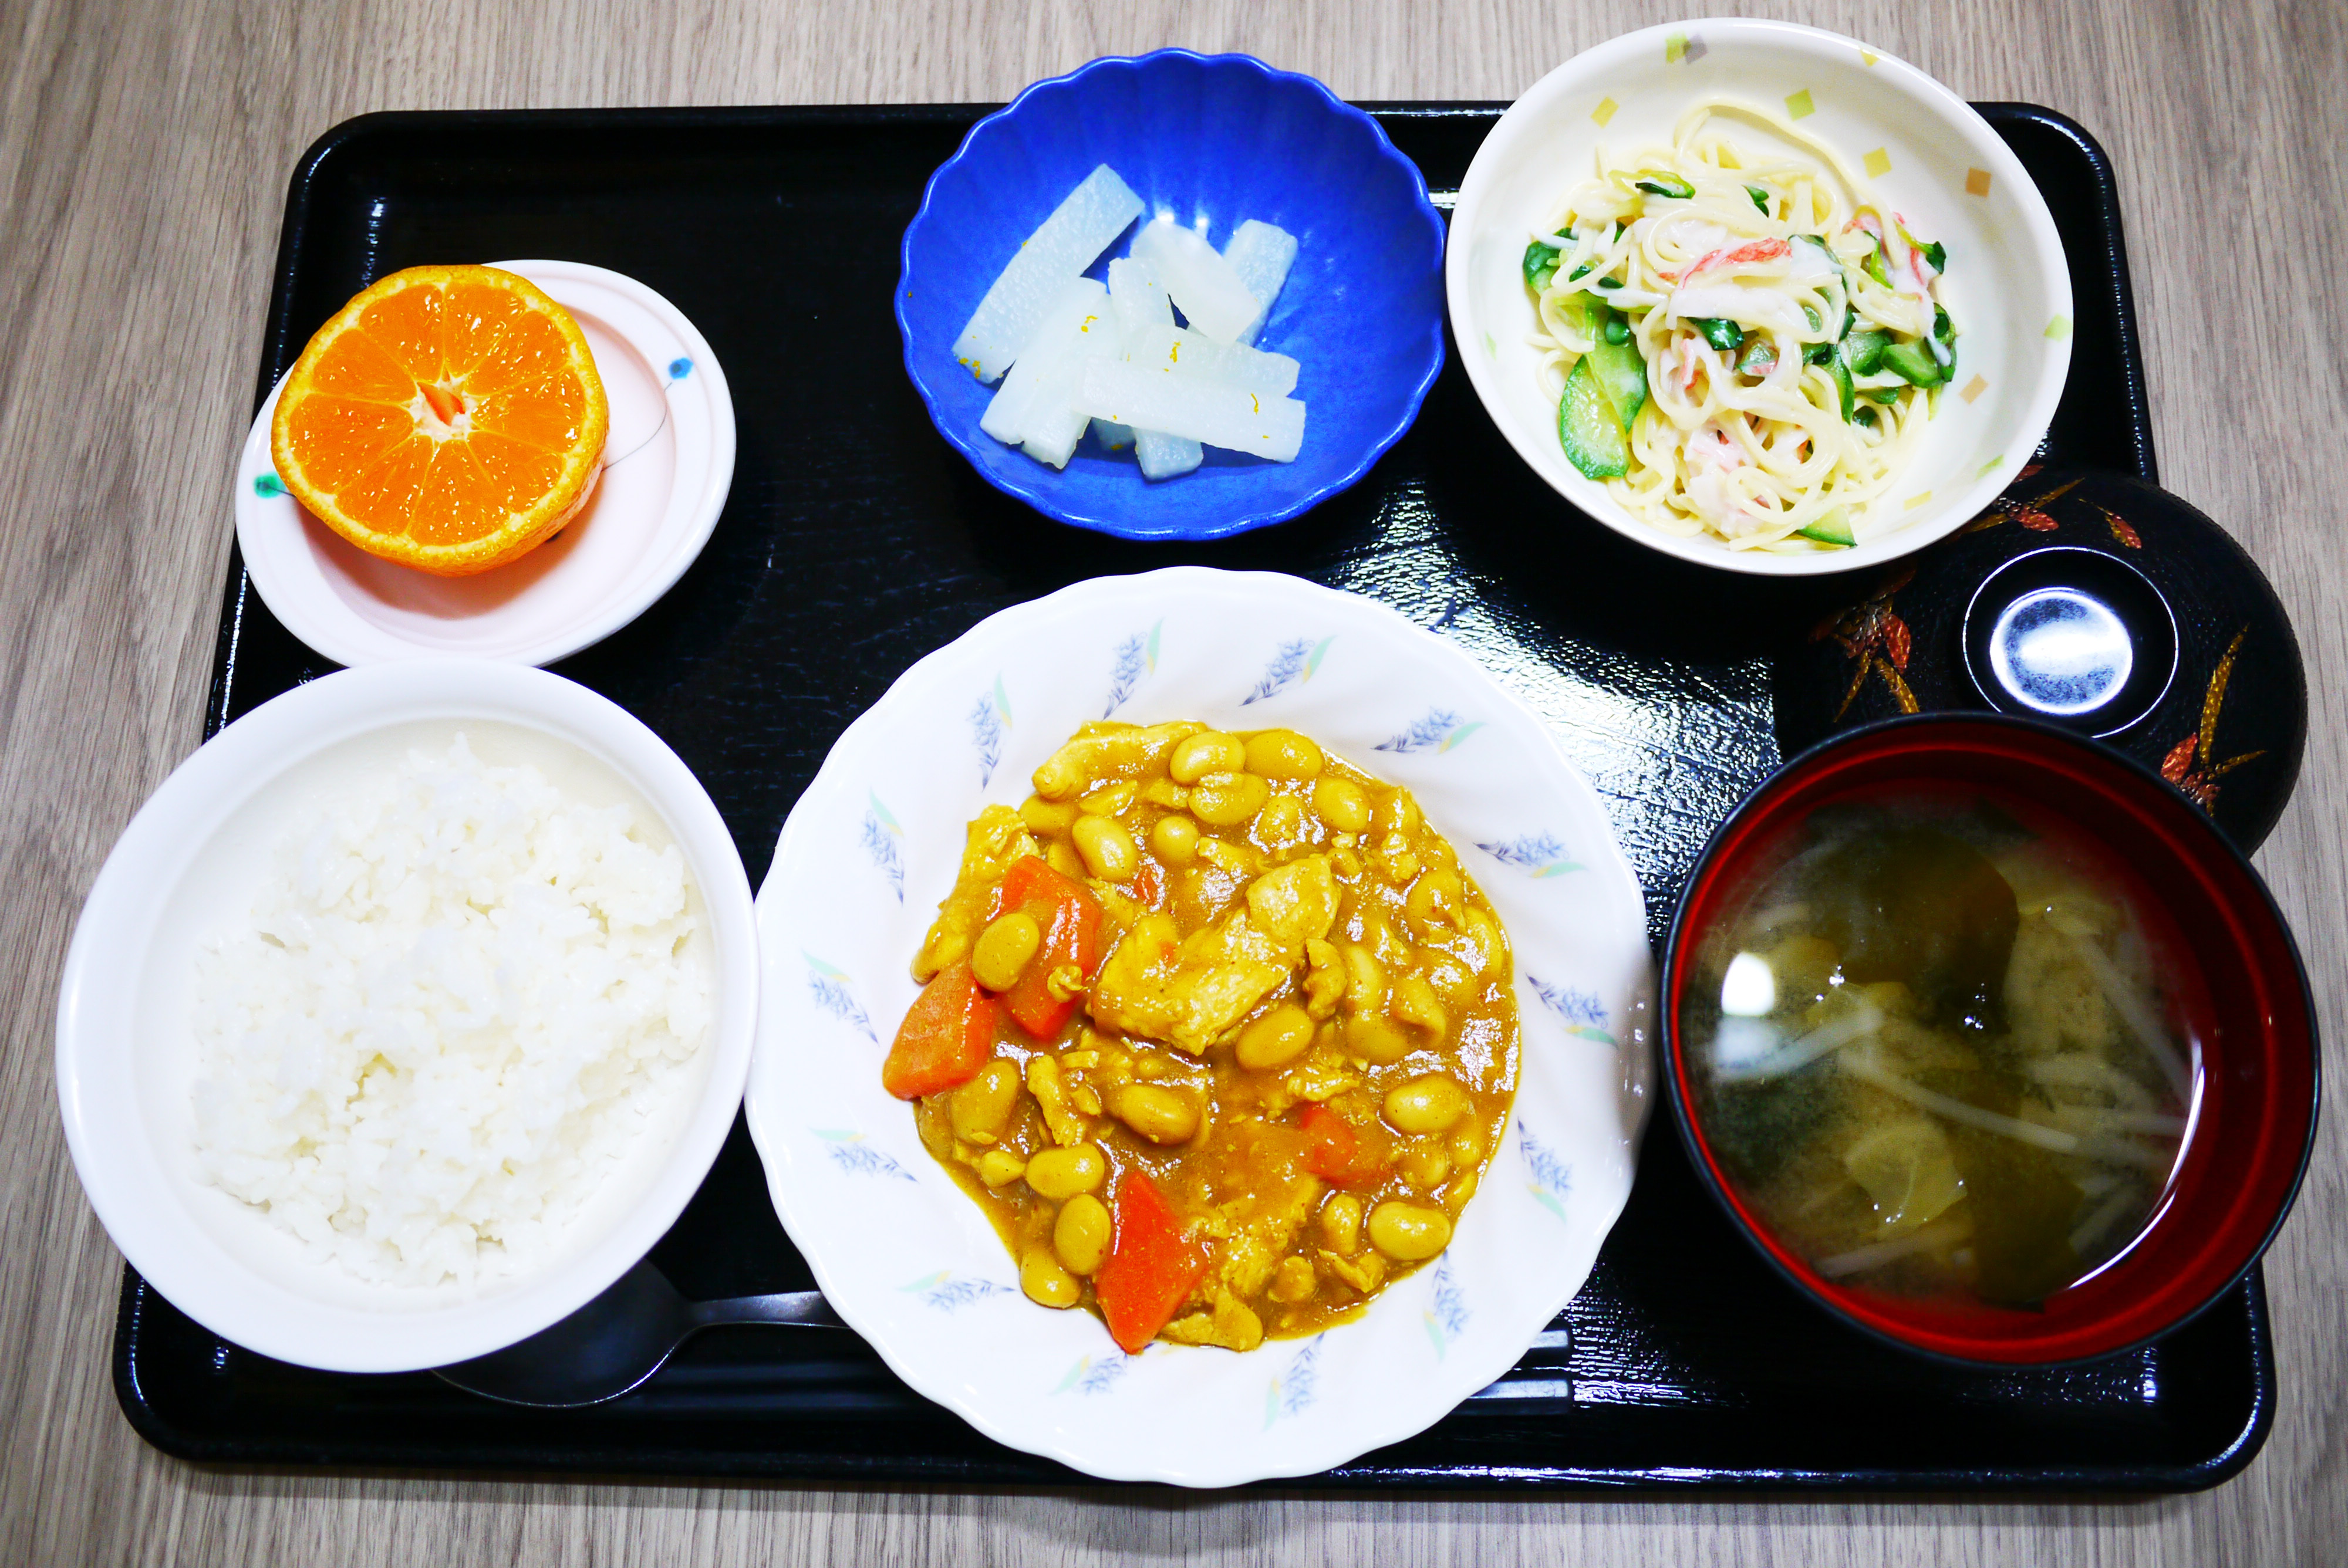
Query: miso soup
x=1942 y=1049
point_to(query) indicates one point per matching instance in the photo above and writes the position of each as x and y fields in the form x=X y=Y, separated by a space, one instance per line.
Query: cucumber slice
x=1833 y=528
x=1912 y=365
x=1886 y=395
x=1759 y=356
x=1620 y=374
x=1593 y=443
x=1760 y=199
x=1864 y=351
x=1718 y=331
x=1540 y=265
x=1656 y=182
x=1841 y=373
x=1876 y=266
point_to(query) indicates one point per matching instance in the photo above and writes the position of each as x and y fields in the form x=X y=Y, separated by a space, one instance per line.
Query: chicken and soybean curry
x=1216 y=1030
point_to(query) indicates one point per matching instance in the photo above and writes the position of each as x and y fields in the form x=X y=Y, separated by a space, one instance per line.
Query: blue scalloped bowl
x=1216 y=139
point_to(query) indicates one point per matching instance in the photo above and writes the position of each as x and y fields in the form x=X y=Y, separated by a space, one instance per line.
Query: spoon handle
x=806 y=1307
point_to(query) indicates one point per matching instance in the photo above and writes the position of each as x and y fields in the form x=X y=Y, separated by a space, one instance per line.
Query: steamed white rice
x=458 y=1004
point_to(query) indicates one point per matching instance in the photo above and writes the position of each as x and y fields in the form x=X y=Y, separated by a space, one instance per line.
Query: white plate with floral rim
x=909 y=1261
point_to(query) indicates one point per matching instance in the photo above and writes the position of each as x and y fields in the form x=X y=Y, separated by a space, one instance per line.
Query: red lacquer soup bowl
x=2253 y=1121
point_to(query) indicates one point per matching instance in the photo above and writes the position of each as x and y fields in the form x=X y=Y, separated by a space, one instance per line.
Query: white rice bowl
x=462 y=998
x=375 y=1258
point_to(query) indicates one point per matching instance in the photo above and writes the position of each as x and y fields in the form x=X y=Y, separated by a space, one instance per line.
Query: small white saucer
x=667 y=467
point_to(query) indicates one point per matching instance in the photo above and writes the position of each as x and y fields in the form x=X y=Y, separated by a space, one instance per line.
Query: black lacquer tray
x=856 y=540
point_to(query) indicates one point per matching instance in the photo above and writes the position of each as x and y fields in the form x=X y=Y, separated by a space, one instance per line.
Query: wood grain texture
x=144 y=150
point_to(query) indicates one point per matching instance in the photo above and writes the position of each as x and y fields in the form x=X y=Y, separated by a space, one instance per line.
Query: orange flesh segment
x=448 y=418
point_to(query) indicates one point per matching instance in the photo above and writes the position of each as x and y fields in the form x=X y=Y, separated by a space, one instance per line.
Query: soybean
x=1080 y=1236
x=1342 y=804
x=1372 y=1039
x=1415 y=1004
x=1281 y=821
x=1436 y=901
x=1226 y=799
x=1110 y=800
x=1045 y=816
x=1107 y=848
x=1045 y=1282
x=1341 y=1224
x=1432 y=1104
x=1366 y=979
x=1208 y=751
x=1000 y=1167
x=1276 y=1039
x=1176 y=839
x=1061 y=1173
x=1409 y=1234
x=980 y=1106
x=1005 y=949
x=1158 y=1114
x=1282 y=754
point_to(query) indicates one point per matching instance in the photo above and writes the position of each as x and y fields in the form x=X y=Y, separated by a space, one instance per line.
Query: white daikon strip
x=1112 y=437
x=1164 y=456
x=1142 y=313
x=1260 y=255
x=1072 y=239
x=1184 y=353
x=1053 y=426
x=1214 y=413
x=1066 y=331
x=1203 y=283
x=1137 y=298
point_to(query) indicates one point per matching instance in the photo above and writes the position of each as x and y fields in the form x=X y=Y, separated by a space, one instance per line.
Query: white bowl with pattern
x=1926 y=153
x=906 y=1256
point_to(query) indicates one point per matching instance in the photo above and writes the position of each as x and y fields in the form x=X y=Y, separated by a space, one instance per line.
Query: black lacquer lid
x=2167 y=642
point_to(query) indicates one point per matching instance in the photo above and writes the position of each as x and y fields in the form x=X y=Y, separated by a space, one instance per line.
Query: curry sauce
x=1217 y=1031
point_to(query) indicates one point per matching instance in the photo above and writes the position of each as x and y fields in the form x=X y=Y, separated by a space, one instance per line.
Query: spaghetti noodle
x=1742 y=345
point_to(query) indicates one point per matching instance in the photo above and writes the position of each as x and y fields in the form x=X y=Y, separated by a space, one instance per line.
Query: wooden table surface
x=144 y=150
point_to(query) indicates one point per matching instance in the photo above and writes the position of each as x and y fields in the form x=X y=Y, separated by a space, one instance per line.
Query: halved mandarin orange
x=447 y=418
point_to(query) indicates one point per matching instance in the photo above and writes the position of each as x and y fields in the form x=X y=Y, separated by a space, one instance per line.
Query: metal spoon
x=619 y=1340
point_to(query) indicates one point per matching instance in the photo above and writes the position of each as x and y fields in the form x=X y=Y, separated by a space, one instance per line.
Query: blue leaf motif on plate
x=1136 y=658
x=1293 y=1390
x=943 y=1291
x=881 y=836
x=1091 y=1376
x=988 y=718
x=1439 y=732
x=1539 y=854
x=678 y=369
x=852 y=1155
x=1296 y=662
x=268 y=487
x=1552 y=1178
x=1446 y=1314
x=1585 y=1014
x=831 y=988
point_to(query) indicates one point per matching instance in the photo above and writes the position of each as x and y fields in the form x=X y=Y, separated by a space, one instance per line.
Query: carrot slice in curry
x=947 y=1036
x=1070 y=918
x=1152 y=1265
x=1333 y=1151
